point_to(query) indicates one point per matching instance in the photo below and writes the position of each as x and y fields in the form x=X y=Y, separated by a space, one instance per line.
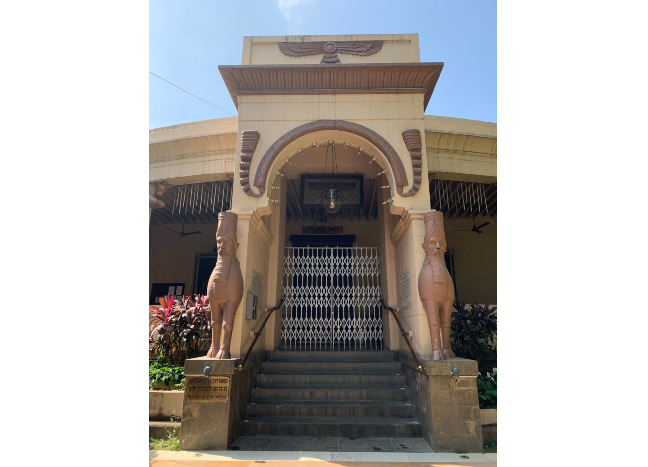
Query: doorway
x=331 y=295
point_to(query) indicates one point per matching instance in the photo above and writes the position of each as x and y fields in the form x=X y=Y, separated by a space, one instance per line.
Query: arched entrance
x=332 y=285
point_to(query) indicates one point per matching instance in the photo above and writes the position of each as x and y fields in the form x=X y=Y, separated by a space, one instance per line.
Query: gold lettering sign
x=207 y=389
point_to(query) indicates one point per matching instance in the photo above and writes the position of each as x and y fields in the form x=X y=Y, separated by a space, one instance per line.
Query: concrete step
x=367 y=393
x=332 y=356
x=325 y=426
x=278 y=367
x=342 y=409
x=162 y=430
x=316 y=380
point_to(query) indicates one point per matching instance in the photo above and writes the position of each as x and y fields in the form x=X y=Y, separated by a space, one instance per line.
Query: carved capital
x=249 y=141
x=412 y=139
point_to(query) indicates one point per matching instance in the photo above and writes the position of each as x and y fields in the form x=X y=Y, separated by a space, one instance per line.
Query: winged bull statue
x=330 y=49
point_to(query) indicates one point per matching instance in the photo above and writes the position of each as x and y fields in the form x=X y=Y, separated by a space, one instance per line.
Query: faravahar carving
x=330 y=49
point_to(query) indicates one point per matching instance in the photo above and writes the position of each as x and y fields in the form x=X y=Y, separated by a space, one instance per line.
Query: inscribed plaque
x=406 y=291
x=208 y=389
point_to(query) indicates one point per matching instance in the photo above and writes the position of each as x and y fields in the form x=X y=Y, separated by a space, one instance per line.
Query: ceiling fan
x=183 y=234
x=475 y=229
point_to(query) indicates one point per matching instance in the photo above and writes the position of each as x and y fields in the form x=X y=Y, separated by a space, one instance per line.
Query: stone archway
x=395 y=163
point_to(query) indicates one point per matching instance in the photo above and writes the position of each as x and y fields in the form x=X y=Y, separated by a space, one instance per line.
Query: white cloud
x=287 y=7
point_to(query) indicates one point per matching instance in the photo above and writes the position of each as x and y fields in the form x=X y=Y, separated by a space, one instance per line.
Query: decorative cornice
x=413 y=143
x=395 y=163
x=333 y=78
x=249 y=141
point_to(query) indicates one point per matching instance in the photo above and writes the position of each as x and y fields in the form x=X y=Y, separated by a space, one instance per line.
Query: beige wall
x=475 y=259
x=397 y=48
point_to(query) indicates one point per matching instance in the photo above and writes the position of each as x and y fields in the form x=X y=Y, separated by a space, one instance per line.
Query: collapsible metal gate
x=332 y=299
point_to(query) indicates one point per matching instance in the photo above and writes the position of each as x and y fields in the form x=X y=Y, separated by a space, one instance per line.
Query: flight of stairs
x=332 y=393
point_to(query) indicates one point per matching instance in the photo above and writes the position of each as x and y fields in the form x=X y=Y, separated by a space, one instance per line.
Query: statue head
x=226 y=245
x=226 y=233
x=434 y=242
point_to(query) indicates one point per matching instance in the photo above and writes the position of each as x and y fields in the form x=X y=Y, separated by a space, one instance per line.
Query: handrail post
x=404 y=334
x=258 y=333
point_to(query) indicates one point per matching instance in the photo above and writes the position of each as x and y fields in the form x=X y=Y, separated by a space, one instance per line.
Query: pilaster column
x=407 y=239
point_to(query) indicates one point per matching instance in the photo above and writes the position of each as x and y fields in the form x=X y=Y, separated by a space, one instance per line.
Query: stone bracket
x=412 y=140
x=249 y=141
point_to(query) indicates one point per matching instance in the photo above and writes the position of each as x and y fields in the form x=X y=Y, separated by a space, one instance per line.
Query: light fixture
x=288 y=161
x=332 y=201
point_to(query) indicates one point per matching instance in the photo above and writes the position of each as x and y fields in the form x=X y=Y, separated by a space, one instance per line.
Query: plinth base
x=447 y=407
x=210 y=423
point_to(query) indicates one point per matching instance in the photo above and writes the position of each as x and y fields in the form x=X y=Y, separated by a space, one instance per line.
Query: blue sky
x=188 y=40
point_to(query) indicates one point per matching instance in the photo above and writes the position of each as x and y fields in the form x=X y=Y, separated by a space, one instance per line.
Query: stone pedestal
x=447 y=407
x=214 y=425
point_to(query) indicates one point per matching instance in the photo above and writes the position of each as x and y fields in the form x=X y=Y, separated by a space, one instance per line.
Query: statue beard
x=222 y=269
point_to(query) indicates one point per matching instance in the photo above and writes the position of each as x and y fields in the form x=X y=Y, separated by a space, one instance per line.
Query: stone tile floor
x=330 y=444
x=316 y=459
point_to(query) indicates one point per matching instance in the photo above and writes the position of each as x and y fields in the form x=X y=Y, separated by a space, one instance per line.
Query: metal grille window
x=332 y=299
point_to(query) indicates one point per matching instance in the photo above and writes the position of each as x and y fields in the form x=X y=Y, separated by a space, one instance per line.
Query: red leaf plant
x=182 y=324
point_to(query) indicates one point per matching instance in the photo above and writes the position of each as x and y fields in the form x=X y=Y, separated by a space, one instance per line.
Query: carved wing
x=300 y=49
x=359 y=47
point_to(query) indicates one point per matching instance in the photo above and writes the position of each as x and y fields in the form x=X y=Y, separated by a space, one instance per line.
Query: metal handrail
x=404 y=334
x=258 y=333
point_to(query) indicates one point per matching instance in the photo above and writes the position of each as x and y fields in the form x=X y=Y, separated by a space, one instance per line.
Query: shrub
x=473 y=332
x=487 y=390
x=182 y=325
x=171 y=375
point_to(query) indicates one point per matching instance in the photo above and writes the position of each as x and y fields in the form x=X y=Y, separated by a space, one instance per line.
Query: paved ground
x=332 y=444
x=316 y=459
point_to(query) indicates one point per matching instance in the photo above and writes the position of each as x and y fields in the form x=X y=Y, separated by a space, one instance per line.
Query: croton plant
x=181 y=325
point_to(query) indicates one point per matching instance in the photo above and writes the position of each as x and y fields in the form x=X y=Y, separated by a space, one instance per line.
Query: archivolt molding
x=395 y=163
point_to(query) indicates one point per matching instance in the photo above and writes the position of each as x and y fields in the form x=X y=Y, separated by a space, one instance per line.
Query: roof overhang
x=351 y=78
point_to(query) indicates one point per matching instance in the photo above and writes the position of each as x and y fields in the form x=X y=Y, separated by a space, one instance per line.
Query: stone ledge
x=161 y=430
x=441 y=367
x=196 y=366
x=489 y=416
x=165 y=404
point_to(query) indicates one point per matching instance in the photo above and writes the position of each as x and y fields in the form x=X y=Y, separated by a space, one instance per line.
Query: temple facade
x=330 y=167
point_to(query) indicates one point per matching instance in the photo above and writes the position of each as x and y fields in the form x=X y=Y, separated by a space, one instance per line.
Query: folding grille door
x=332 y=299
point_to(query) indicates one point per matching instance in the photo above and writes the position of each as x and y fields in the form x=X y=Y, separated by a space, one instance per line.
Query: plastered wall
x=171 y=258
x=475 y=259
